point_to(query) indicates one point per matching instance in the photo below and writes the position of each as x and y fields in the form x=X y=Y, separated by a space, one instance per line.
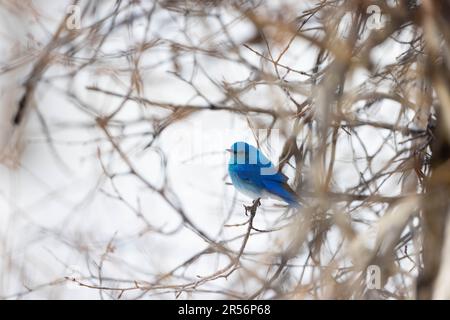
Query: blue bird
x=254 y=175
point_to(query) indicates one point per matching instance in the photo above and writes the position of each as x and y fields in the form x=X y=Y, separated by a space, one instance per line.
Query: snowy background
x=62 y=217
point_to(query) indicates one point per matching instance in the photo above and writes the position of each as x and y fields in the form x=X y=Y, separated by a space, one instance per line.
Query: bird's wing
x=279 y=176
x=263 y=171
x=249 y=173
x=282 y=190
x=265 y=162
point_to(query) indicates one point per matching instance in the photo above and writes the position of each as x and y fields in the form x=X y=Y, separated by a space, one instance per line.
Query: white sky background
x=50 y=209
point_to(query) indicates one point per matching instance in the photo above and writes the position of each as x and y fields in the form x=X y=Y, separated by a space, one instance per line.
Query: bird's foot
x=252 y=209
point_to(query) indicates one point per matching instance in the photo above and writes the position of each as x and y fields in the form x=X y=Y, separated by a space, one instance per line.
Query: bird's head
x=243 y=153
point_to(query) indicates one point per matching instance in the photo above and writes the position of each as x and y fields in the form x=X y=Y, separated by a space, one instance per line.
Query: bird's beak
x=229 y=150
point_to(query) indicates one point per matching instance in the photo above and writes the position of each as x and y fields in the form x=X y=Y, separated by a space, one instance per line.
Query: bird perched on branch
x=254 y=175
